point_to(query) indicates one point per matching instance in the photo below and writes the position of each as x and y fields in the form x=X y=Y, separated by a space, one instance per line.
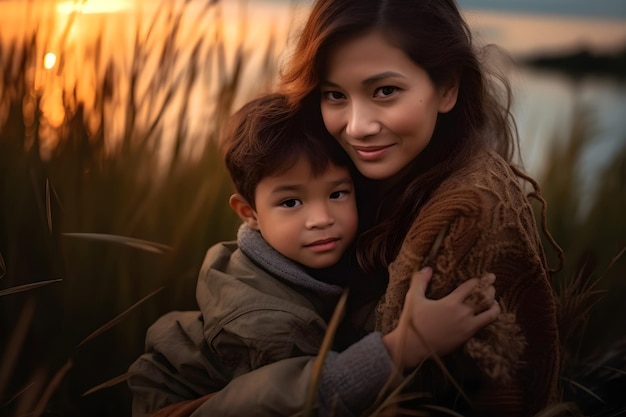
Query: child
x=269 y=296
x=275 y=290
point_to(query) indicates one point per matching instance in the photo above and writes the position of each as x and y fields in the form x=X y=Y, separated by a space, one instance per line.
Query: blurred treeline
x=100 y=233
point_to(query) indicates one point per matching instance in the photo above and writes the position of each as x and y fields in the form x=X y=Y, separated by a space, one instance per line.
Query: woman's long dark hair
x=435 y=36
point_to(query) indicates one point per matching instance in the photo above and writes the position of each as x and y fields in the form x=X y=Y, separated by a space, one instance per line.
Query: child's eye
x=385 y=91
x=290 y=203
x=338 y=194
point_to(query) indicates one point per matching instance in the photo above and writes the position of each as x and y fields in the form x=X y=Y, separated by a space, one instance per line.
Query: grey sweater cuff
x=352 y=379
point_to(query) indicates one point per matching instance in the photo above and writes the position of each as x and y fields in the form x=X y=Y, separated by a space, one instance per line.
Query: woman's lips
x=371 y=153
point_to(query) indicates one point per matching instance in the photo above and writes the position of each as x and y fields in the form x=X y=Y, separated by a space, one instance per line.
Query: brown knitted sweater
x=491 y=228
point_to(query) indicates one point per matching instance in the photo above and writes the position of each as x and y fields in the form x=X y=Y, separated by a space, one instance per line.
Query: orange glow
x=94 y=6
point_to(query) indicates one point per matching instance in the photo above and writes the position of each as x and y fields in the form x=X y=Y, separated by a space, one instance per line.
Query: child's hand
x=439 y=326
x=481 y=296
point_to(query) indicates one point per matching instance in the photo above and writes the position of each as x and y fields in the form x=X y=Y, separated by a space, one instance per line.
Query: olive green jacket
x=256 y=308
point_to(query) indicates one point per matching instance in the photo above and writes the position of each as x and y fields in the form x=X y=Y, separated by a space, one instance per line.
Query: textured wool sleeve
x=490 y=228
x=351 y=379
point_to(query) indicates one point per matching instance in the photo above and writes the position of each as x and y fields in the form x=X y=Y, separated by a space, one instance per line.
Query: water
x=606 y=9
x=546 y=102
x=545 y=107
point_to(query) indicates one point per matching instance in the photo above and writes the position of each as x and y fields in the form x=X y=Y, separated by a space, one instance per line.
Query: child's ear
x=449 y=94
x=244 y=211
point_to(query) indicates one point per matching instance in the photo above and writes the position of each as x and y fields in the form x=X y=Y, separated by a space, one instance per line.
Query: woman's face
x=379 y=104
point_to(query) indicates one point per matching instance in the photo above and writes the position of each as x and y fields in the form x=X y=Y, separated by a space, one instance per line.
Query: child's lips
x=323 y=245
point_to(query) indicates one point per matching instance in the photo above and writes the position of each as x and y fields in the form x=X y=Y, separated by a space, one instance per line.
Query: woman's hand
x=439 y=326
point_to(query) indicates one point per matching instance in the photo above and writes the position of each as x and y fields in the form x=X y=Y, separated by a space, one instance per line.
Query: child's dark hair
x=267 y=136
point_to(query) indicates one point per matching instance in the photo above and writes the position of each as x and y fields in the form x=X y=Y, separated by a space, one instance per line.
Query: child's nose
x=319 y=217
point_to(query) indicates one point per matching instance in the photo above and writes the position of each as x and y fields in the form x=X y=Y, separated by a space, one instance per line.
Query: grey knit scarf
x=260 y=252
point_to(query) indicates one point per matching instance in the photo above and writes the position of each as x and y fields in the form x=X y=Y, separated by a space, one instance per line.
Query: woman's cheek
x=331 y=121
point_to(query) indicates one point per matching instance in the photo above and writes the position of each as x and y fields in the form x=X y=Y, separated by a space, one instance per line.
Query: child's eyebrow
x=298 y=187
x=288 y=188
x=343 y=181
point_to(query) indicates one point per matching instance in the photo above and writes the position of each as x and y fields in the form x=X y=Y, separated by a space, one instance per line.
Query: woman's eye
x=385 y=91
x=333 y=95
x=292 y=202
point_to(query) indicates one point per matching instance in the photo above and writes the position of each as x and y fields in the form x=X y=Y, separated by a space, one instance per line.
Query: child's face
x=310 y=220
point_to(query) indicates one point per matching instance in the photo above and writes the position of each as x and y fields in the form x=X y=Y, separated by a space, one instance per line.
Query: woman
x=400 y=86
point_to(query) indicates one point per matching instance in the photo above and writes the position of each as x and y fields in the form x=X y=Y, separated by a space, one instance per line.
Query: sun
x=49 y=60
x=94 y=6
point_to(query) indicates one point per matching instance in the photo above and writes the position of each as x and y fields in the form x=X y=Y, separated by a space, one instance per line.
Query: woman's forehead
x=368 y=57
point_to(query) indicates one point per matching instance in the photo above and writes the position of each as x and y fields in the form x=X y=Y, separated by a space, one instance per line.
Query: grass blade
x=110 y=383
x=27 y=287
x=583 y=388
x=15 y=344
x=50 y=193
x=48 y=206
x=144 y=245
x=443 y=410
x=3 y=267
x=559 y=409
x=118 y=318
x=616 y=258
x=395 y=396
x=616 y=370
x=326 y=344
x=52 y=386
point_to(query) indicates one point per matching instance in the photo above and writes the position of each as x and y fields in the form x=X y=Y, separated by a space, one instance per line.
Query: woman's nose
x=361 y=121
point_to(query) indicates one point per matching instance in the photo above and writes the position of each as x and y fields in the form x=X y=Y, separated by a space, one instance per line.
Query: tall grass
x=104 y=216
x=101 y=231
x=591 y=286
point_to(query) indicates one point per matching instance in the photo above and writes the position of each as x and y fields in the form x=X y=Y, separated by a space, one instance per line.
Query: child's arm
x=352 y=379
